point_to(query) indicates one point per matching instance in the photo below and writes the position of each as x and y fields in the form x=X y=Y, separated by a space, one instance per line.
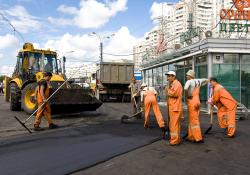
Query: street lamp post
x=63 y=60
x=101 y=38
x=101 y=52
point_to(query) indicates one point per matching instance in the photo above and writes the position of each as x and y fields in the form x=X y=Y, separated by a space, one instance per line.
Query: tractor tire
x=29 y=104
x=15 y=96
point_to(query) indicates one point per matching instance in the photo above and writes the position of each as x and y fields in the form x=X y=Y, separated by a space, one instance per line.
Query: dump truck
x=29 y=70
x=112 y=81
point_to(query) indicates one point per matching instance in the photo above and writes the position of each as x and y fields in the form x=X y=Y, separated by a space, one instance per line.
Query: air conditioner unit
x=177 y=46
x=218 y=58
x=189 y=42
x=208 y=34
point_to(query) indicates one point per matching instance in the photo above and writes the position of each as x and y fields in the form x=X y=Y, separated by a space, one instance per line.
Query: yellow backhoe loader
x=30 y=66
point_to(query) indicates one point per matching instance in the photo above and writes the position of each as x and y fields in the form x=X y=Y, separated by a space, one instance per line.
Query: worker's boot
x=37 y=128
x=163 y=129
x=53 y=126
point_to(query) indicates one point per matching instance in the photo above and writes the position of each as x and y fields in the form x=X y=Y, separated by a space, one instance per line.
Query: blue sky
x=64 y=25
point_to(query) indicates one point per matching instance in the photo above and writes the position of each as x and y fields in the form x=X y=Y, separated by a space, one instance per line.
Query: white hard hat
x=191 y=73
x=170 y=73
x=143 y=85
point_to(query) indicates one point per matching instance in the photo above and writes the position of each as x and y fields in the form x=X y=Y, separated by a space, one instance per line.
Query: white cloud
x=82 y=46
x=91 y=14
x=7 y=41
x=59 y=21
x=9 y=45
x=159 y=9
x=22 y=20
x=6 y=70
x=86 y=48
x=68 y=10
x=121 y=44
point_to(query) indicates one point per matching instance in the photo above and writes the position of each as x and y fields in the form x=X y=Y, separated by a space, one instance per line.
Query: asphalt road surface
x=88 y=143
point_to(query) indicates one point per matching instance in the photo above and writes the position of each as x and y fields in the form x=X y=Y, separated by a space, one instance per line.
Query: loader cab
x=30 y=63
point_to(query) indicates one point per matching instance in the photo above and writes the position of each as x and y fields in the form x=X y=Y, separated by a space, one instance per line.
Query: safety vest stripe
x=194 y=126
x=173 y=133
x=231 y=126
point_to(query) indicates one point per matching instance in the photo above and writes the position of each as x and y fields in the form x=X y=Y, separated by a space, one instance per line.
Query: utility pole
x=101 y=52
x=101 y=39
x=64 y=69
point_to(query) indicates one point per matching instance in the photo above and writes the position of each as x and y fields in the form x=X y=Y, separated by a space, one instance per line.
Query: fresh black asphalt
x=67 y=150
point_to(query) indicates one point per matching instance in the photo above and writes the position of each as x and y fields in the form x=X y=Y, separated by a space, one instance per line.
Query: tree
x=1 y=78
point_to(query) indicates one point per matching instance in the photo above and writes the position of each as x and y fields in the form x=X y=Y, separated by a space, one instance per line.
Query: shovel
x=211 y=121
x=126 y=117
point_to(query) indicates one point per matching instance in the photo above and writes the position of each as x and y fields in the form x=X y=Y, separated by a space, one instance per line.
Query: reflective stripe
x=194 y=126
x=225 y=117
x=231 y=126
x=173 y=133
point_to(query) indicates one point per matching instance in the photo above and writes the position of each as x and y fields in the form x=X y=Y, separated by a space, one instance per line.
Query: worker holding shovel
x=174 y=102
x=42 y=94
x=148 y=98
x=135 y=95
x=226 y=105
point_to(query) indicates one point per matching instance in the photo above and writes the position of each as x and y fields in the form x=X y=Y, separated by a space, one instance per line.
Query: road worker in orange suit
x=148 y=98
x=227 y=107
x=135 y=95
x=42 y=94
x=174 y=101
x=192 y=91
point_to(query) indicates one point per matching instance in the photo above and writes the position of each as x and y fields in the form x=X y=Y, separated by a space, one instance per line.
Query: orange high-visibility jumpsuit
x=45 y=109
x=150 y=100
x=175 y=111
x=227 y=107
x=193 y=103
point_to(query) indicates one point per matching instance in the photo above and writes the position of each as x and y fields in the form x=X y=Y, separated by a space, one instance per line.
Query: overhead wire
x=12 y=26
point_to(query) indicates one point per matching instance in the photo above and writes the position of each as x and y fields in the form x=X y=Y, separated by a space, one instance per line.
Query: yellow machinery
x=30 y=66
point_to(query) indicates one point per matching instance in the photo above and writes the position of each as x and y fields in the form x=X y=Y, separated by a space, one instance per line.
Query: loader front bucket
x=73 y=101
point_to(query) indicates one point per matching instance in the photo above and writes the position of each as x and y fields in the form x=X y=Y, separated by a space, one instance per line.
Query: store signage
x=138 y=75
x=241 y=13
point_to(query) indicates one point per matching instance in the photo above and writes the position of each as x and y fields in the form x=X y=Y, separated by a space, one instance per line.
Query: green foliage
x=1 y=78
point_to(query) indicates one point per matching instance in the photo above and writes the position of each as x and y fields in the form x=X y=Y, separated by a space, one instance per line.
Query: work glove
x=209 y=101
x=142 y=108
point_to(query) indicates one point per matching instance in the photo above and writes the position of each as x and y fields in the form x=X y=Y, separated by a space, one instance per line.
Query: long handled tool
x=167 y=129
x=211 y=121
x=23 y=123
x=126 y=117
x=134 y=99
x=210 y=92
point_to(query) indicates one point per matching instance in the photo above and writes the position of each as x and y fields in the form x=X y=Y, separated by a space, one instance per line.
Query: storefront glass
x=180 y=72
x=150 y=77
x=201 y=72
x=228 y=74
x=165 y=70
x=159 y=83
x=245 y=80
